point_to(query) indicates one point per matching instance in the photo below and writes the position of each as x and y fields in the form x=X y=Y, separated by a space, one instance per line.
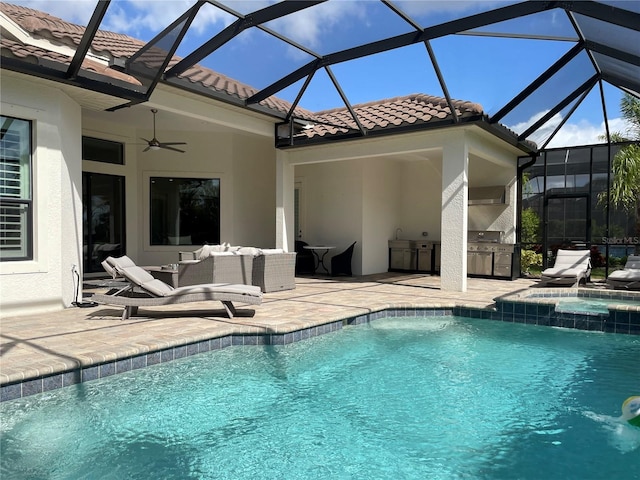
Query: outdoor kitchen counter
x=414 y=256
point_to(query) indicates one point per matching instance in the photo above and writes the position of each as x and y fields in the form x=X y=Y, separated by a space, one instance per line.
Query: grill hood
x=487 y=196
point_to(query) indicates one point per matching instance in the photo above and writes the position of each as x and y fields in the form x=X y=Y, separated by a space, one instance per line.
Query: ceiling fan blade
x=166 y=147
x=154 y=143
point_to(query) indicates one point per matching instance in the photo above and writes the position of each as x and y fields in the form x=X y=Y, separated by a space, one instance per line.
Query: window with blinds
x=15 y=189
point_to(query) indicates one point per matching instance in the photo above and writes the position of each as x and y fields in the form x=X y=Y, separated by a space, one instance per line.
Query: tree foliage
x=530 y=226
x=625 y=187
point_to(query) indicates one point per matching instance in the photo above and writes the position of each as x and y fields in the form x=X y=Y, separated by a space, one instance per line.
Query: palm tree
x=625 y=188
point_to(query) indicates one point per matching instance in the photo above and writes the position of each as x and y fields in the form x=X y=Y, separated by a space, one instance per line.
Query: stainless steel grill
x=487 y=255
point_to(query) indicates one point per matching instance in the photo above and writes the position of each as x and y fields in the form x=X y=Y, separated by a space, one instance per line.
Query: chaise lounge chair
x=145 y=291
x=571 y=268
x=627 y=278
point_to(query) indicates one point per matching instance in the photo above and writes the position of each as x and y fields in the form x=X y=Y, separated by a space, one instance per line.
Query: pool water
x=591 y=304
x=401 y=398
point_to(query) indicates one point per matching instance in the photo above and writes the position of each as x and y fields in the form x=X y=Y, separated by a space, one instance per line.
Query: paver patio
x=37 y=346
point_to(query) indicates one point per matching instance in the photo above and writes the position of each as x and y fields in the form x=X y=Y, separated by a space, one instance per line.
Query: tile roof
x=115 y=45
x=35 y=54
x=394 y=112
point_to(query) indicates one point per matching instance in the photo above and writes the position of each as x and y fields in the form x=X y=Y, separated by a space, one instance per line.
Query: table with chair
x=320 y=251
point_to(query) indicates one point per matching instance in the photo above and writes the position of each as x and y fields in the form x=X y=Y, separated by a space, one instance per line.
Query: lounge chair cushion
x=136 y=274
x=159 y=293
x=633 y=263
x=215 y=287
x=157 y=287
x=625 y=275
x=563 y=272
x=271 y=251
x=206 y=250
x=631 y=271
x=247 y=251
x=570 y=268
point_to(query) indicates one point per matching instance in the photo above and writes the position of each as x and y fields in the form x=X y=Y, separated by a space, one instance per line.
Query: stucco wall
x=254 y=195
x=245 y=165
x=494 y=217
x=420 y=199
x=47 y=282
x=382 y=207
x=334 y=206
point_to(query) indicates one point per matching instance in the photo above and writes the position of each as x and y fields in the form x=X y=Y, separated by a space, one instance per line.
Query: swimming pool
x=438 y=398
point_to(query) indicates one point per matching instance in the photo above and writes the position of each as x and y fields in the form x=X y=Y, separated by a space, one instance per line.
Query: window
x=104 y=151
x=185 y=211
x=15 y=189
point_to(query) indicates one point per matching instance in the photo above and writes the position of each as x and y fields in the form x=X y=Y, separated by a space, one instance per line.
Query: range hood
x=487 y=195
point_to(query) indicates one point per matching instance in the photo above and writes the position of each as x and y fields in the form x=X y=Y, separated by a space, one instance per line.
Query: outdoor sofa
x=629 y=277
x=270 y=269
x=143 y=290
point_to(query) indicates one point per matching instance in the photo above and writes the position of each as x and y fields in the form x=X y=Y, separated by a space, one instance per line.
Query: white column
x=284 y=202
x=455 y=185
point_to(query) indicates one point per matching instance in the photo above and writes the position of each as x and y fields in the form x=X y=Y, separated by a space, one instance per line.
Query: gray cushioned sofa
x=270 y=269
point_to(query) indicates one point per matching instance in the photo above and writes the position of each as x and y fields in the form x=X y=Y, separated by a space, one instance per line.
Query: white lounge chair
x=145 y=291
x=571 y=268
x=627 y=278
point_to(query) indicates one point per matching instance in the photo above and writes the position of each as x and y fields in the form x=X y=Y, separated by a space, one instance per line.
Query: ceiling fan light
x=154 y=147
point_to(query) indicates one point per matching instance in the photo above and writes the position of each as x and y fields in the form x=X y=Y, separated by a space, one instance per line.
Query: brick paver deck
x=32 y=347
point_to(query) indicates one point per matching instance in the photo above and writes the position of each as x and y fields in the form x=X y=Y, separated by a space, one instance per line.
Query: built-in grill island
x=488 y=256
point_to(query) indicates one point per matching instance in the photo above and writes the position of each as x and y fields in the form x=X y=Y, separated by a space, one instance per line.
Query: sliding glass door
x=103 y=219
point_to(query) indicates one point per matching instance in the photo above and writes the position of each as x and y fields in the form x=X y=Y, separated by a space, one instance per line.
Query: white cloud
x=130 y=17
x=580 y=132
x=135 y=17
x=422 y=7
x=75 y=11
x=310 y=25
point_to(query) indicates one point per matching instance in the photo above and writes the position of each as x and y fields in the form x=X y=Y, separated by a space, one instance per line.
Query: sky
x=484 y=70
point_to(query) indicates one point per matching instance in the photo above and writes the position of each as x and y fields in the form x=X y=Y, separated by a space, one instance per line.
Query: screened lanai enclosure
x=318 y=54
x=557 y=72
x=566 y=204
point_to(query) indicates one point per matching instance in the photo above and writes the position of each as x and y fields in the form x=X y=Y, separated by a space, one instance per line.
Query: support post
x=284 y=202
x=455 y=194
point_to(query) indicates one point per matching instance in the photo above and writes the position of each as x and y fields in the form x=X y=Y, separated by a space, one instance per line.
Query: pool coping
x=536 y=310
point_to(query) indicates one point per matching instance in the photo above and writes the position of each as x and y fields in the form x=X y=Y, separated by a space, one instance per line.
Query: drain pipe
x=521 y=169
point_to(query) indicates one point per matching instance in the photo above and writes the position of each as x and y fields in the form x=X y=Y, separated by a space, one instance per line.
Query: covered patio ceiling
x=591 y=48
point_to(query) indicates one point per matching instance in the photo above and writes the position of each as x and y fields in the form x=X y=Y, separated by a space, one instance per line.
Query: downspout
x=521 y=169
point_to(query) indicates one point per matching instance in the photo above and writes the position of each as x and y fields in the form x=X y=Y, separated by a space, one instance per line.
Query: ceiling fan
x=155 y=144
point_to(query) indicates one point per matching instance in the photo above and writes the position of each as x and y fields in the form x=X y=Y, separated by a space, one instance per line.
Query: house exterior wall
x=420 y=199
x=46 y=283
x=381 y=206
x=402 y=186
x=491 y=165
x=334 y=205
x=254 y=198
x=355 y=191
x=245 y=165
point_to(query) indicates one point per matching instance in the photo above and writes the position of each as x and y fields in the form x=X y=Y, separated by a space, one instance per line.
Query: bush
x=528 y=259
